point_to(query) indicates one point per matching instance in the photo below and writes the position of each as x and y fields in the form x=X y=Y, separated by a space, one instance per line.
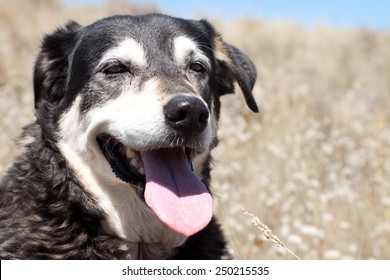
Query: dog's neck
x=127 y=216
x=130 y=218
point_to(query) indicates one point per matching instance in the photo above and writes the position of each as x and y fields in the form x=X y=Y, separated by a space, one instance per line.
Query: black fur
x=45 y=212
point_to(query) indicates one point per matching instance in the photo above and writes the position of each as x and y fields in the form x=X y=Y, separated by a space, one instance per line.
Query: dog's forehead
x=130 y=49
x=139 y=38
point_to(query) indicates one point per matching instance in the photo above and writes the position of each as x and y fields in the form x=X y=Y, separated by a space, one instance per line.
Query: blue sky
x=349 y=13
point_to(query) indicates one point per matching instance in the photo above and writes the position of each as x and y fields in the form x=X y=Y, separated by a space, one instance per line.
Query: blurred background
x=314 y=165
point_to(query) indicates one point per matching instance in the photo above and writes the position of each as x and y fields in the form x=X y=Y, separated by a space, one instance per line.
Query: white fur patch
x=135 y=119
x=184 y=47
x=128 y=50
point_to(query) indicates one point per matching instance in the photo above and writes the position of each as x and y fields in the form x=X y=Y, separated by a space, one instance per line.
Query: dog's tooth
x=141 y=171
x=130 y=153
x=134 y=163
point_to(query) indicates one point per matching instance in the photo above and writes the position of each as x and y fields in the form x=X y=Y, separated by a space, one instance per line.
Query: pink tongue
x=174 y=193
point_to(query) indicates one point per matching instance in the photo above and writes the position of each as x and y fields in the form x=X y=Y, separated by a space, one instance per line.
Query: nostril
x=182 y=115
x=204 y=117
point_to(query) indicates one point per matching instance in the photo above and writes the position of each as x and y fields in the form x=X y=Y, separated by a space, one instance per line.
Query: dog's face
x=133 y=104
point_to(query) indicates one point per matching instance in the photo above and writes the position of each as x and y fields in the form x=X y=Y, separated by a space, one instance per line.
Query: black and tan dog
x=117 y=164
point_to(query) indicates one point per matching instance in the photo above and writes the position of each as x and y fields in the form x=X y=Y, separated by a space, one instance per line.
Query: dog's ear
x=236 y=67
x=51 y=66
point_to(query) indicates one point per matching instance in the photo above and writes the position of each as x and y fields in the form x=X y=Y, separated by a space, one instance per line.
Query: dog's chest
x=148 y=237
x=126 y=215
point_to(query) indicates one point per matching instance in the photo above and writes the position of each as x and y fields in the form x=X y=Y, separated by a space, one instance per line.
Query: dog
x=117 y=163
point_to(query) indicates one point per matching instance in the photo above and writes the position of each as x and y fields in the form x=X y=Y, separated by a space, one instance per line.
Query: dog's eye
x=197 y=67
x=116 y=69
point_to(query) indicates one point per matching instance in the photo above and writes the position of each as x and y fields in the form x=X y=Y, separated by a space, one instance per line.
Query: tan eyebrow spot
x=220 y=51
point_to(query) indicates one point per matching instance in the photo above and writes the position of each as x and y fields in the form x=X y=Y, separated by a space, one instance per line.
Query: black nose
x=186 y=114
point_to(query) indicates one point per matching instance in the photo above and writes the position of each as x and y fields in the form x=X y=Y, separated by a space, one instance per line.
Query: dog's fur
x=120 y=82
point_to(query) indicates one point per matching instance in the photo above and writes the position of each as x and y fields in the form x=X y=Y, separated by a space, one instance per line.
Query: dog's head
x=133 y=104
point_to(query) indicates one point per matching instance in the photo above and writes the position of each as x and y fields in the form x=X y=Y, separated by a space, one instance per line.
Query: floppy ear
x=236 y=66
x=51 y=66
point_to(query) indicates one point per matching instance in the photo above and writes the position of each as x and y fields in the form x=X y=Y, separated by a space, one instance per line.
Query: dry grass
x=267 y=232
x=314 y=165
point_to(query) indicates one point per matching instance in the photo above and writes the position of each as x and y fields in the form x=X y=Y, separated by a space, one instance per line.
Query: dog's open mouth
x=165 y=177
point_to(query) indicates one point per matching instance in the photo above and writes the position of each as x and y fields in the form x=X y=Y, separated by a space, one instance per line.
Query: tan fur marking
x=220 y=51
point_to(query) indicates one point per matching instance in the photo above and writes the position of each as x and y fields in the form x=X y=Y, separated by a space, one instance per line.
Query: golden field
x=314 y=165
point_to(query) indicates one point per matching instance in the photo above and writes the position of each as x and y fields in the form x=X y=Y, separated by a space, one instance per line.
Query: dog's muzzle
x=163 y=174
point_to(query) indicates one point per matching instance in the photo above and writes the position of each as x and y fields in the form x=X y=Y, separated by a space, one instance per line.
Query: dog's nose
x=186 y=114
